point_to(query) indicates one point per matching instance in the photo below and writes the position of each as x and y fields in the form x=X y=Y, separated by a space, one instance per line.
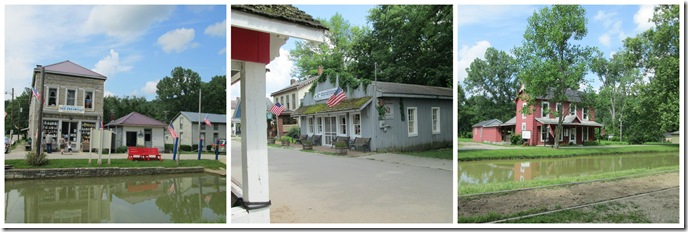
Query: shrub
x=209 y=147
x=121 y=149
x=516 y=139
x=591 y=143
x=194 y=147
x=294 y=132
x=34 y=160
x=169 y=147
x=286 y=139
x=340 y=144
x=186 y=147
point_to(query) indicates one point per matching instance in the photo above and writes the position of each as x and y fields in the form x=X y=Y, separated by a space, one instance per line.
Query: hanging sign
x=325 y=94
x=70 y=109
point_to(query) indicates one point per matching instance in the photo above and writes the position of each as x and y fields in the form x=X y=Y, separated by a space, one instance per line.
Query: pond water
x=495 y=171
x=178 y=198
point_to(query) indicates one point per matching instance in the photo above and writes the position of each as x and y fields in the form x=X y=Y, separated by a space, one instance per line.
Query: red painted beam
x=252 y=46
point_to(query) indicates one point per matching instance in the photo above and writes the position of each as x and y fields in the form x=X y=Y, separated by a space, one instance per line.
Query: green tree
x=180 y=91
x=215 y=95
x=495 y=79
x=409 y=43
x=656 y=52
x=17 y=112
x=550 y=63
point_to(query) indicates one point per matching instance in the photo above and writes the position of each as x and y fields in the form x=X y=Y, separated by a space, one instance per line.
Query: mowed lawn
x=548 y=152
x=442 y=153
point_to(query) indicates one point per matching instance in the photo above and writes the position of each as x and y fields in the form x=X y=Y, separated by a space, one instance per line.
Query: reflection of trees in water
x=184 y=206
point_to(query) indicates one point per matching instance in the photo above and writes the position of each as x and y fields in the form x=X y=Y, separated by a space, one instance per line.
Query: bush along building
x=72 y=98
x=538 y=127
x=395 y=116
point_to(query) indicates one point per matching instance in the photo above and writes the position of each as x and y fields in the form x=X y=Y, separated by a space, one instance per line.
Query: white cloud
x=612 y=25
x=604 y=39
x=468 y=54
x=150 y=87
x=222 y=51
x=111 y=65
x=280 y=73
x=218 y=29
x=125 y=21
x=642 y=18
x=109 y=94
x=177 y=40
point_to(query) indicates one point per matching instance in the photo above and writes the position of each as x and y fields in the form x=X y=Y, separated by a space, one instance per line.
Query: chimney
x=293 y=81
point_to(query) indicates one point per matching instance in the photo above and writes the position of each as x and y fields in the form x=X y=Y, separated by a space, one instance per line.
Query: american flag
x=207 y=122
x=336 y=98
x=170 y=128
x=35 y=93
x=277 y=109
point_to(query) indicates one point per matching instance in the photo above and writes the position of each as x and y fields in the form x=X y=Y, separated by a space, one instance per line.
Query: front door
x=330 y=130
x=147 y=142
x=131 y=138
x=69 y=132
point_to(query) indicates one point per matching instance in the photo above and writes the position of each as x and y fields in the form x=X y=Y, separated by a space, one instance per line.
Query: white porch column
x=254 y=142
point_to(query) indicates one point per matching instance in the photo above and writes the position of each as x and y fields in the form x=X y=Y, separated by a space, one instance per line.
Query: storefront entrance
x=330 y=132
x=69 y=131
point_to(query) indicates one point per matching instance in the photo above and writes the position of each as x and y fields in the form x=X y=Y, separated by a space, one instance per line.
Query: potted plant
x=340 y=147
x=307 y=144
x=285 y=140
x=271 y=140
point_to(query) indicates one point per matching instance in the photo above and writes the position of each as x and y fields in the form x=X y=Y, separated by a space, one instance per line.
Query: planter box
x=341 y=151
x=307 y=146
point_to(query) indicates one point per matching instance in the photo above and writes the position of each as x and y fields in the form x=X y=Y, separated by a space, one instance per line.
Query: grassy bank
x=495 y=187
x=547 y=152
x=612 y=212
x=442 y=153
x=122 y=163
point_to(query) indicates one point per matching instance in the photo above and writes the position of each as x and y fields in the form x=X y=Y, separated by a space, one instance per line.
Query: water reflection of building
x=91 y=200
x=526 y=171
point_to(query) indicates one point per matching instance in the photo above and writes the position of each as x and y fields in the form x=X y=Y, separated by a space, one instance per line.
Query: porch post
x=254 y=148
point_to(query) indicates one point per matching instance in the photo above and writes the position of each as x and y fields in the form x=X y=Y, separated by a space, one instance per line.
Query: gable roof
x=136 y=119
x=70 y=68
x=286 y=13
x=213 y=118
x=391 y=89
x=488 y=123
x=296 y=85
x=511 y=122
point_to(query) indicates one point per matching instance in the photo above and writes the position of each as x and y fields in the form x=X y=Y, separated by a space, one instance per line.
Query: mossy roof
x=345 y=105
x=287 y=13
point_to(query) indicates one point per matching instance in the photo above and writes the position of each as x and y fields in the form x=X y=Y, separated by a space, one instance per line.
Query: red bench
x=143 y=153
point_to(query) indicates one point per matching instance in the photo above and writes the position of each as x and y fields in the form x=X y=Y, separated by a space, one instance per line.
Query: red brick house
x=537 y=128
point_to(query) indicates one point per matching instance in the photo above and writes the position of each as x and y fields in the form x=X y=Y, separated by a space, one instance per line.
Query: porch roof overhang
x=570 y=120
x=347 y=105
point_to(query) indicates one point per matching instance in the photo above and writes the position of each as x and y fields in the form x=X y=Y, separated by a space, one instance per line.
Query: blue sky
x=502 y=27
x=134 y=46
x=280 y=68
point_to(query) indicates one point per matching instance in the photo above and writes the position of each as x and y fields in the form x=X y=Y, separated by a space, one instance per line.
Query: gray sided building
x=397 y=117
x=73 y=101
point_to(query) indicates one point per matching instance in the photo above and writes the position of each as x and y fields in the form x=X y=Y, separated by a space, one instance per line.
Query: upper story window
x=558 y=106
x=585 y=113
x=52 y=96
x=88 y=100
x=288 y=103
x=523 y=108
x=293 y=101
x=545 y=109
x=572 y=109
x=71 y=97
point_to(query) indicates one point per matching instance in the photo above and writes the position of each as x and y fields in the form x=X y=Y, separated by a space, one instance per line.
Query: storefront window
x=342 y=124
x=318 y=121
x=357 y=124
x=310 y=125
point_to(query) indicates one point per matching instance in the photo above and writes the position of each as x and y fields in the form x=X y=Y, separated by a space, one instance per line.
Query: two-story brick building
x=73 y=101
x=538 y=127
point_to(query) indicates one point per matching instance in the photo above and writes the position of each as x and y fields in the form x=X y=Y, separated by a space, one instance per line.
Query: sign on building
x=70 y=109
x=325 y=94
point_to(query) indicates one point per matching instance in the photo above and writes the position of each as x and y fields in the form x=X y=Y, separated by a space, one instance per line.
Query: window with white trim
x=357 y=124
x=411 y=121
x=523 y=108
x=572 y=137
x=572 y=106
x=318 y=122
x=342 y=124
x=88 y=99
x=545 y=110
x=310 y=125
x=558 y=105
x=71 y=97
x=584 y=136
x=585 y=113
x=544 y=134
x=523 y=126
x=435 y=112
x=52 y=96
x=561 y=134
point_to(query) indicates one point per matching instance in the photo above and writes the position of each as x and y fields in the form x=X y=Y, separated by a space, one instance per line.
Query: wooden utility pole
x=40 y=115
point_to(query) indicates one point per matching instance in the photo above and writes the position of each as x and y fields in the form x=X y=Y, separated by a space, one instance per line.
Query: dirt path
x=562 y=197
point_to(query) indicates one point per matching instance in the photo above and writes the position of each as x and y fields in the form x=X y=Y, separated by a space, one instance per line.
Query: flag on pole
x=36 y=93
x=336 y=98
x=207 y=122
x=170 y=128
x=277 y=109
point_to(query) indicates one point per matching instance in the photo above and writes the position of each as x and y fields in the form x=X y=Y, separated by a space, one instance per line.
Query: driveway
x=315 y=188
x=481 y=146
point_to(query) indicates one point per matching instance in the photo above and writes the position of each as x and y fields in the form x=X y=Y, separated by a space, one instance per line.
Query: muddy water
x=495 y=171
x=132 y=199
